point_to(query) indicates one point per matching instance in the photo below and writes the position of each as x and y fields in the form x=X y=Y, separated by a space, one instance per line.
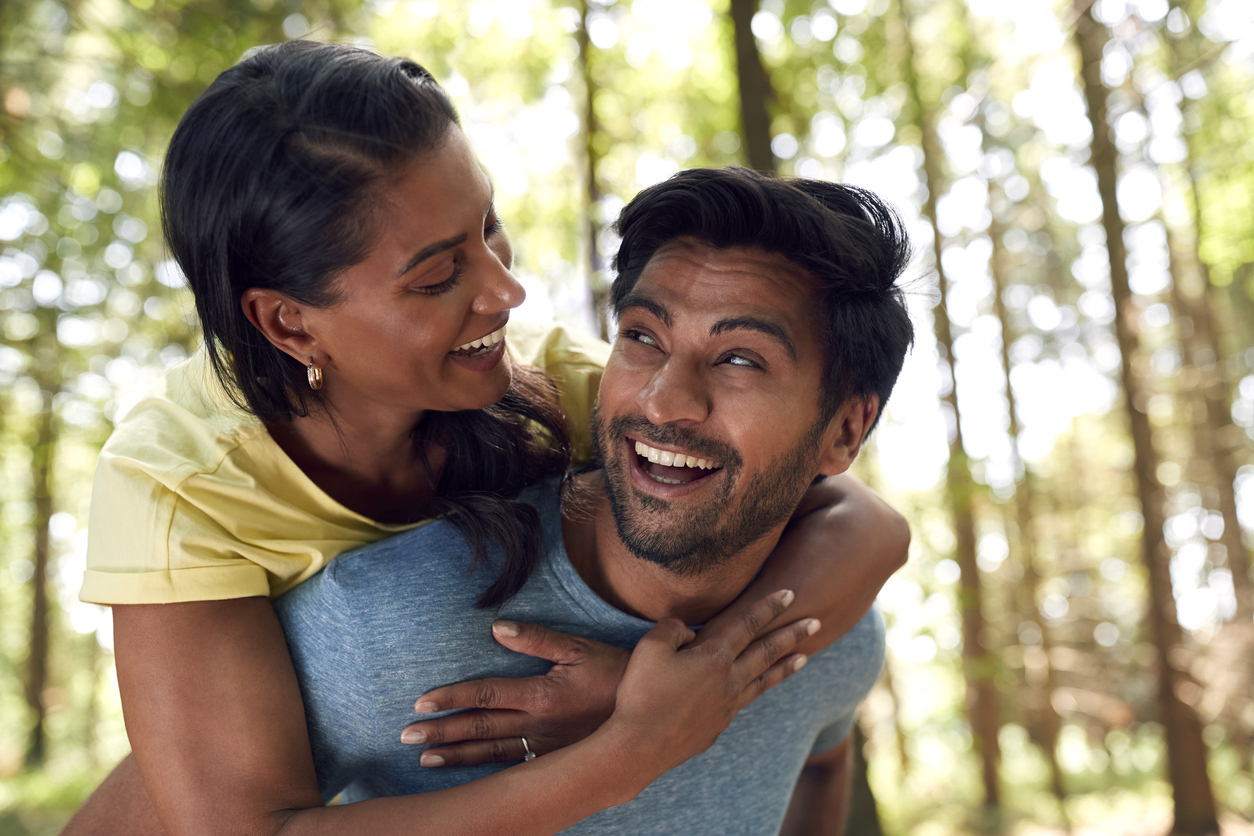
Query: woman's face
x=437 y=281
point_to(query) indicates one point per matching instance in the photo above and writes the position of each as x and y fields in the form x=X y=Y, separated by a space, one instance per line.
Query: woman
x=353 y=284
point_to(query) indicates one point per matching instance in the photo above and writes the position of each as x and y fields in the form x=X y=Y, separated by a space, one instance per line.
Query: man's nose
x=676 y=392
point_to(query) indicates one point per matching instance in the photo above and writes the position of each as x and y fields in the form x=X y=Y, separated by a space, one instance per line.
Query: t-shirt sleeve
x=862 y=651
x=834 y=733
x=134 y=520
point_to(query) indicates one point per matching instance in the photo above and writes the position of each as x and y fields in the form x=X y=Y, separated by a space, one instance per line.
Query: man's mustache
x=691 y=441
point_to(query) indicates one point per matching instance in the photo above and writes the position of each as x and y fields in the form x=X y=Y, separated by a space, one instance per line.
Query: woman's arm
x=215 y=720
x=839 y=549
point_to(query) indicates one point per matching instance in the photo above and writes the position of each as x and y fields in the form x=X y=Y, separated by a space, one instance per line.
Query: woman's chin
x=491 y=390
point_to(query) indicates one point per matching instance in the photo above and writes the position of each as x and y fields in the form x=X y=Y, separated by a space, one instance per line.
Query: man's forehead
x=684 y=269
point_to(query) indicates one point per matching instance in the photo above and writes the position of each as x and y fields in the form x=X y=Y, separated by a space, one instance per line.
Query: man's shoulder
x=432 y=561
x=860 y=651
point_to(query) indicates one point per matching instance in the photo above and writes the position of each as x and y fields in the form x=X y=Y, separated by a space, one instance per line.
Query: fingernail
x=413 y=736
x=426 y=707
x=812 y=626
x=788 y=596
x=508 y=629
x=799 y=664
x=429 y=759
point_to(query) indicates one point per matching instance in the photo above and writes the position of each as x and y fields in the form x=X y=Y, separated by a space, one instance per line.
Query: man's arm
x=838 y=551
x=820 y=801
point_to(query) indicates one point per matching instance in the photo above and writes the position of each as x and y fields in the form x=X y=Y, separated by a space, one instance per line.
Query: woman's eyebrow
x=448 y=243
x=430 y=250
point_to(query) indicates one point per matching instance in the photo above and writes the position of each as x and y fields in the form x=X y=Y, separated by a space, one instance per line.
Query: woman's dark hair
x=852 y=243
x=271 y=181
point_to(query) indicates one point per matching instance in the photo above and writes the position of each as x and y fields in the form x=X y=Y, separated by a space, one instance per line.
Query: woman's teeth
x=483 y=343
x=670 y=459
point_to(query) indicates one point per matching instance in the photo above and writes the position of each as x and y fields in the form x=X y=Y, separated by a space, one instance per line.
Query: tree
x=978 y=663
x=755 y=89
x=1186 y=752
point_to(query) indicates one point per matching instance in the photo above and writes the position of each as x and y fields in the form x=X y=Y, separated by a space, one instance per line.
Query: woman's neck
x=370 y=466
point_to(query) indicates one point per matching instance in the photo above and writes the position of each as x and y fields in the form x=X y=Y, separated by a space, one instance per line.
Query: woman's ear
x=278 y=318
x=846 y=432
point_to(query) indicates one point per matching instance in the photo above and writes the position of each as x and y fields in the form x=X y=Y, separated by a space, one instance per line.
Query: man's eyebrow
x=656 y=308
x=752 y=323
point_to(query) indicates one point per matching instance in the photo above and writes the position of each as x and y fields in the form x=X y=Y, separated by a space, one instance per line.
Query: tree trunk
x=1024 y=546
x=1226 y=436
x=755 y=89
x=598 y=283
x=1205 y=395
x=979 y=663
x=43 y=452
x=899 y=732
x=1186 y=752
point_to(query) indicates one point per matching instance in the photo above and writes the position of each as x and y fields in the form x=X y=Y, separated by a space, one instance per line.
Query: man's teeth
x=488 y=341
x=670 y=459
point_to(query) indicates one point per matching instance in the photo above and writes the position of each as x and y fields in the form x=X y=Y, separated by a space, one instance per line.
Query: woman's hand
x=581 y=690
x=564 y=706
x=677 y=697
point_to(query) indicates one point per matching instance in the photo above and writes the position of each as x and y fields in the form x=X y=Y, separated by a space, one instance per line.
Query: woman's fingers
x=524 y=694
x=468 y=725
x=763 y=654
x=501 y=750
x=497 y=693
x=541 y=642
x=774 y=675
x=737 y=635
x=666 y=637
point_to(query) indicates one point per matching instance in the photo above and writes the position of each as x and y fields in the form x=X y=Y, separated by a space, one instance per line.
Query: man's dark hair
x=851 y=242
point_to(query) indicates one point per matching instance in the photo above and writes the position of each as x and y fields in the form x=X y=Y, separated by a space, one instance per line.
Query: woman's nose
x=499 y=291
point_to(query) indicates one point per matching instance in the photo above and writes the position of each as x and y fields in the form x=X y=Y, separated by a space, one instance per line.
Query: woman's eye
x=446 y=285
x=492 y=223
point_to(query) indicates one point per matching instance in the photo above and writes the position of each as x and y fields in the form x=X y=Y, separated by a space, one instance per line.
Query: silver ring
x=528 y=755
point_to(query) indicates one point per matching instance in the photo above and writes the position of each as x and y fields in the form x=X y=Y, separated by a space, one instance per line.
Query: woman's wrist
x=636 y=759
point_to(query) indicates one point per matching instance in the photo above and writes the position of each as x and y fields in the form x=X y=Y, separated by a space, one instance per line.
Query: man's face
x=708 y=416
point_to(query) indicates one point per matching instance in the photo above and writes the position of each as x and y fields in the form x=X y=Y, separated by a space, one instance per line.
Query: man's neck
x=644 y=589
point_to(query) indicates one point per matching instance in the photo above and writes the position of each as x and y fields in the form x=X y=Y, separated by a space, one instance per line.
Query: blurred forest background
x=1072 y=642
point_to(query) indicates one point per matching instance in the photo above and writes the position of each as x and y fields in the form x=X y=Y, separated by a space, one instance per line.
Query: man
x=760 y=332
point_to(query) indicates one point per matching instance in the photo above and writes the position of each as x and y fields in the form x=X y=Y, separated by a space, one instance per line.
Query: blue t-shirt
x=390 y=621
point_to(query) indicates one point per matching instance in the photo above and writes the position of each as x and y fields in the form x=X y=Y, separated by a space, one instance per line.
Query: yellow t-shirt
x=194 y=501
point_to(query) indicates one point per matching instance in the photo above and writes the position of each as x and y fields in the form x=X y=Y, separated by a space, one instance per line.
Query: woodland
x=1071 y=644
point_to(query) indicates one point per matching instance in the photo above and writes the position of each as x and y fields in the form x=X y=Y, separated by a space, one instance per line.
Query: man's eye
x=639 y=337
x=493 y=228
x=739 y=360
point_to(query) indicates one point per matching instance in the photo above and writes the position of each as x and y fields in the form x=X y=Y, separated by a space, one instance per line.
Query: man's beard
x=701 y=538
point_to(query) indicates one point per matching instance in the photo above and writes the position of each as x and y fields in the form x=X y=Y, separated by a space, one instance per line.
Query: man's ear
x=846 y=432
x=278 y=318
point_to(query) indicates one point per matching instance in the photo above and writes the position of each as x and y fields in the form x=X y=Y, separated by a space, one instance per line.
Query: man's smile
x=668 y=473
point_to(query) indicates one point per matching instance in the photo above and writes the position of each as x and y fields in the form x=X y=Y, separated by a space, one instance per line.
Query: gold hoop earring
x=315 y=376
